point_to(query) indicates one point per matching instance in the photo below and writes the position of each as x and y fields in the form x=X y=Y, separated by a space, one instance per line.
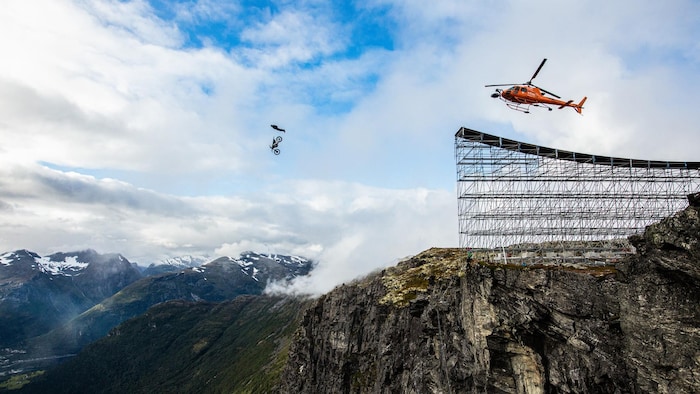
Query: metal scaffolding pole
x=538 y=204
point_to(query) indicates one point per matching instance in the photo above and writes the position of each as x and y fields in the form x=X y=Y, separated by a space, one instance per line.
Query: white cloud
x=157 y=147
x=348 y=228
x=290 y=37
x=108 y=89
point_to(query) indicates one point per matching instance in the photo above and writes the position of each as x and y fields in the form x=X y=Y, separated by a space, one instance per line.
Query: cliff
x=435 y=324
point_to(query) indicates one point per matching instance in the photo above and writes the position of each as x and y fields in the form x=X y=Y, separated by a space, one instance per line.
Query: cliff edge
x=437 y=324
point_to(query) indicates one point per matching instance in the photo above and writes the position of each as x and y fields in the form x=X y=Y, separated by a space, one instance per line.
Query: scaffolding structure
x=526 y=202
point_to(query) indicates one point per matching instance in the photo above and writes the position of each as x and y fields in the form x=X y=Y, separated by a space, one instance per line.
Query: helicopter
x=520 y=97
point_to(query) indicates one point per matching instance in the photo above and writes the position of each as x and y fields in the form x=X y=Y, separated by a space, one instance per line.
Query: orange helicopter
x=521 y=96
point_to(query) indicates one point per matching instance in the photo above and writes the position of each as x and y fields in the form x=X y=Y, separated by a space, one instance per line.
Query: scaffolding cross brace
x=521 y=202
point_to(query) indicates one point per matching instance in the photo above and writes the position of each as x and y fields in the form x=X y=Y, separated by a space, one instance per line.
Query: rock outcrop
x=436 y=324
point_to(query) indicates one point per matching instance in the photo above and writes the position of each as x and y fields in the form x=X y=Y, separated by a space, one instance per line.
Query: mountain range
x=38 y=294
x=52 y=306
x=174 y=264
x=186 y=347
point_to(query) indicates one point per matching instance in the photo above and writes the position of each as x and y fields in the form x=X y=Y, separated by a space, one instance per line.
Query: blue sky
x=142 y=127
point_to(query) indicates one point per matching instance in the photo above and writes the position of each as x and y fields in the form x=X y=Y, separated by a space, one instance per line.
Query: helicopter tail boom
x=566 y=104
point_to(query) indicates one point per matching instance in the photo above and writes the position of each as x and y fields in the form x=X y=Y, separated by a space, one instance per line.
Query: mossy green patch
x=18 y=381
x=414 y=276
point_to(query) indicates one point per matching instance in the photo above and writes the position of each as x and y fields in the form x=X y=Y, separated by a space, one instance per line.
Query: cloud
x=348 y=228
x=366 y=228
x=290 y=37
x=107 y=87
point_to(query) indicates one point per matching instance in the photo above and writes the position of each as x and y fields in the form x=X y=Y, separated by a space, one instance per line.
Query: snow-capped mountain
x=221 y=279
x=18 y=264
x=257 y=265
x=54 y=305
x=174 y=264
x=186 y=261
x=58 y=264
x=39 y=293
x=251 y=264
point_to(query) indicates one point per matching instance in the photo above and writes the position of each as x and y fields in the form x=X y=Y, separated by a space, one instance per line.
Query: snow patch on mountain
x=242 y=263
x=300 y=261
x=69 y=266
x=255 y=273
x=186 y=261
x=246 y=264
x=255 y=265
x=7 y=259
x=174 y=264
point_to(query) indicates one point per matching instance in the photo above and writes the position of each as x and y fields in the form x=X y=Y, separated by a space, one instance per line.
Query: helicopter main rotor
x=528 y=83
x=537 y=72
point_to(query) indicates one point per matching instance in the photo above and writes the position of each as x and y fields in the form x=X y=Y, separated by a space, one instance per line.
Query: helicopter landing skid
x=525 y=108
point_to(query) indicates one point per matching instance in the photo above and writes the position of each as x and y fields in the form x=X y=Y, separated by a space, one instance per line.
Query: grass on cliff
x=414 y=276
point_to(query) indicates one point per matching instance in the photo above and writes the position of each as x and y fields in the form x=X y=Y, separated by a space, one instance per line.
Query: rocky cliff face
x=435 y=324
